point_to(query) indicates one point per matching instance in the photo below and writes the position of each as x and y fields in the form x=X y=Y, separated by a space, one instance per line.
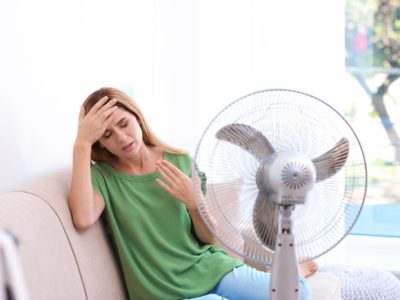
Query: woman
x=165 y=249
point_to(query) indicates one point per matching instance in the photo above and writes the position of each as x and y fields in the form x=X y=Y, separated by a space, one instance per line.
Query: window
x=372 y=60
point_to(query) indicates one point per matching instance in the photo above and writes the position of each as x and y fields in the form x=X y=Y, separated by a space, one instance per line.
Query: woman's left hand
x=177 y=183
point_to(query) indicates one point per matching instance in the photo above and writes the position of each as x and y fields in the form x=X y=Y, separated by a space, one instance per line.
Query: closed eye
x=107 y=134
x=123 y=124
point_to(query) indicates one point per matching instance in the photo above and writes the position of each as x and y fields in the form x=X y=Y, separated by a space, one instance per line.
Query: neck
x=142 y=163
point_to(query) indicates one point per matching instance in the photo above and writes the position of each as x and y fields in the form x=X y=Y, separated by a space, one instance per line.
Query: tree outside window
x=372 y=40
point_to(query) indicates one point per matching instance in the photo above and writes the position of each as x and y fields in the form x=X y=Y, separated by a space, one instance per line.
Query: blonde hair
x=100 y=154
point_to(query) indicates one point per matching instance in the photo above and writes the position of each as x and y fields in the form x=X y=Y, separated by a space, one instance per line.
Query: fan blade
x=247 y=138
x=265 y=220
x=329 y=163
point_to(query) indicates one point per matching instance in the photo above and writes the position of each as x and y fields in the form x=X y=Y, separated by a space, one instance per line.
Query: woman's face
x=123 y=137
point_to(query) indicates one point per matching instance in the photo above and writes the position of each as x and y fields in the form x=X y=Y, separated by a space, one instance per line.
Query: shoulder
x=99 y=178
x=99 y=171
x=182 y=158
x=97 y=168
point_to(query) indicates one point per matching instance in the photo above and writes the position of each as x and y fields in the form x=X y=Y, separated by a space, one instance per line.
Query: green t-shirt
x=160 y=256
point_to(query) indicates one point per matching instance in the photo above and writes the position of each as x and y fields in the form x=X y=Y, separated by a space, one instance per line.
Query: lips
x=127 y=147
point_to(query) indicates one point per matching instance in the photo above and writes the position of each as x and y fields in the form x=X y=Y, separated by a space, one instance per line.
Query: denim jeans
x=247 y=283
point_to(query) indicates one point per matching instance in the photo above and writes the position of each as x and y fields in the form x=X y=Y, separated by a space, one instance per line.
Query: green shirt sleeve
x=99 y=180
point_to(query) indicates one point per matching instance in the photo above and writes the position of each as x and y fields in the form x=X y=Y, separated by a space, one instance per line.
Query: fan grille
x=291 y=121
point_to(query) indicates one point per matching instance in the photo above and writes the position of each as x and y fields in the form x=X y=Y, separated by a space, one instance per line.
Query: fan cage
x=291 y=121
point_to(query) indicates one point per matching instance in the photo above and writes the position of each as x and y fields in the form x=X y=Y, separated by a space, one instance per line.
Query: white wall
x=182 y=60
x=53 y=54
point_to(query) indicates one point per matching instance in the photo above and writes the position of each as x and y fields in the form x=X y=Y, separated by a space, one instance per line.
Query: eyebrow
x=121 y=121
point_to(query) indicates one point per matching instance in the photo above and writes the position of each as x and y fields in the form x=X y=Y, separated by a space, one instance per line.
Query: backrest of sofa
x=58 y=261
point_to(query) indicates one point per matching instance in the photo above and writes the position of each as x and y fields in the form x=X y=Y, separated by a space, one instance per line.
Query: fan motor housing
x=289 y=176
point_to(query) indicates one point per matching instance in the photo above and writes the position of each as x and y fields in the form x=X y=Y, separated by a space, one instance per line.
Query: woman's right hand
x=95 y=122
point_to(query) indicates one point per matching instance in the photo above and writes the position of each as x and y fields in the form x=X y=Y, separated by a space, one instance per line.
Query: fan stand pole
x=285 y=273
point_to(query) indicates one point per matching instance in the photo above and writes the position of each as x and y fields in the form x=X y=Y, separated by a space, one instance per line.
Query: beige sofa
x=59 y=262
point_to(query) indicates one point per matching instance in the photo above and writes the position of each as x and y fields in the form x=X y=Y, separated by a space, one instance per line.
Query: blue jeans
x=245 y=283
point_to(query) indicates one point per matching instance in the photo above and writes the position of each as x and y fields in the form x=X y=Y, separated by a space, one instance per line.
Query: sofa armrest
x=58 y=261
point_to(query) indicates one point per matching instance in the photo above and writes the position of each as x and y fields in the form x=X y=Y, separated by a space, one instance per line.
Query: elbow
x=212 y=240
x=81 y=218
x=82 y=223
x=209 y=239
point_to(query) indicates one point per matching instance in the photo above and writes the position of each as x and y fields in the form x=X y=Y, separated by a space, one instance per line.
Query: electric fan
x=286 y=181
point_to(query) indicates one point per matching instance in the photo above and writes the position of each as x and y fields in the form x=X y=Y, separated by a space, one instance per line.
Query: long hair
x=100 y=154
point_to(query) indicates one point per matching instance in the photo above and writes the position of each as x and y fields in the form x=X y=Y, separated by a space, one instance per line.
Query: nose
x=120 y=136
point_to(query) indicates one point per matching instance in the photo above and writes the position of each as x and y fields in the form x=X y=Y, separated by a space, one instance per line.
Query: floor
x=371 y=251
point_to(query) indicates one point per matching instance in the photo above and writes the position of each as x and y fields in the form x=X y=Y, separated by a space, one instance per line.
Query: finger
x=108 y=114
x=106 y=111
x=109 y=118
x=107 y=105
x=172 y=169
x=164 y=185
x=98 y=105
x=105 y=123
x=165 y=174
x=82 y=113
x=176 y=175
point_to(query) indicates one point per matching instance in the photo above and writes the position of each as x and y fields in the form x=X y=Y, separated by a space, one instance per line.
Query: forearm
x=80 y=197
x=203 y=232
